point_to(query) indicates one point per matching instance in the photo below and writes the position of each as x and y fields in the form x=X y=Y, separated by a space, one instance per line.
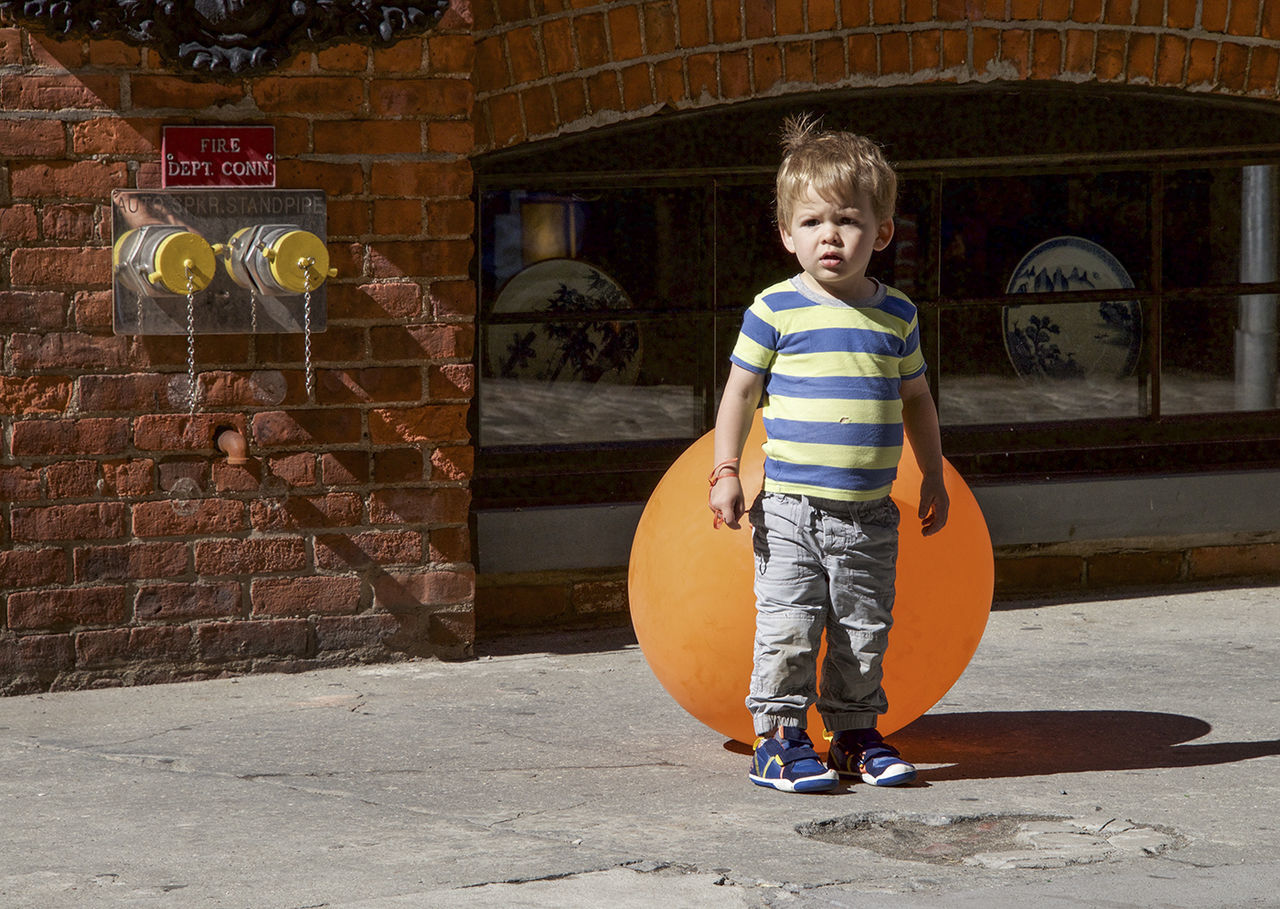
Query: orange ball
x=693 y=607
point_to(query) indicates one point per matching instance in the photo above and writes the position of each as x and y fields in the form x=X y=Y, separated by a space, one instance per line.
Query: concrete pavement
x=1115 y=753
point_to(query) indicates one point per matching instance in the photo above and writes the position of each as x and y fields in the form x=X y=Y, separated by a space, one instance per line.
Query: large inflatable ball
x=693 y=609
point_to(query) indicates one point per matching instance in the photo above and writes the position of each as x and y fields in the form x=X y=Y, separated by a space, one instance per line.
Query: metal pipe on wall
x=1256 y=331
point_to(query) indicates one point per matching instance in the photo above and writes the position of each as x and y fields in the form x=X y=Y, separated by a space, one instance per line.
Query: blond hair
x=838 y=166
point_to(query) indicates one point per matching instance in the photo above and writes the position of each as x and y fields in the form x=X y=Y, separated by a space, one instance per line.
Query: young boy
x=838 y=354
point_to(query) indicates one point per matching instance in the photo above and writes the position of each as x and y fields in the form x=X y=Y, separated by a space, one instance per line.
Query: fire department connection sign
x=218 y=156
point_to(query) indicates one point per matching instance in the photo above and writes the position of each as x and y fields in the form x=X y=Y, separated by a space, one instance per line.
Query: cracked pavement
x=553 y=771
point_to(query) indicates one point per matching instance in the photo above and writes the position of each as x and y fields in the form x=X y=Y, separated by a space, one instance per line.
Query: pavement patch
x=994 y=841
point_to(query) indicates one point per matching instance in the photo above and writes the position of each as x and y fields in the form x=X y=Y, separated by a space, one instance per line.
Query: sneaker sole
x=807 y=784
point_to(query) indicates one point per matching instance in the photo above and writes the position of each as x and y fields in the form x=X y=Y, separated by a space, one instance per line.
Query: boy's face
x=834 y=241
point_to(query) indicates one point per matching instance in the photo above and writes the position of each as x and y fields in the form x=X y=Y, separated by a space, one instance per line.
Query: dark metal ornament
x=226 y=37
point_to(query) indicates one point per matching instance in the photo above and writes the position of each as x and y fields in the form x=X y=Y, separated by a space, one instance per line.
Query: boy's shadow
x=977 y=746
x=1038 y=742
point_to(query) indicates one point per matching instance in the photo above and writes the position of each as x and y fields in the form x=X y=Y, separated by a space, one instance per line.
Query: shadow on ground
x=1034 y=743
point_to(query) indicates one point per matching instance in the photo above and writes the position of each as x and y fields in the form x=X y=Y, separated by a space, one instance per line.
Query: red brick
x=453 y=464
x=828 y=60
x=1182 y=13
x=452 y=381
x=114 y=53
x=405 y=56
x=262 y=388
x=1110 y=55
x=348 y=218
x=309 y=94
x=419 y=506
x=668 y=81
x=571 y=100
x=449 y=544
x=33 y=395
x=491 y=69
x=175 y=517
x=452 y=300
x=130 y=562
x=886 y=12
x=344 y=468
x=305 y=427
x=453 y=631
x=788 y=17
x=423 y=342
x=452 y=54
x=431 y=423
x=1079 y=52
x=305 y=596
x=895 y=53
x=35 y=567
x=398 y=300
x=343 y=58
x=401 y=591
x=257 y=555
x=1134 y=568
x=1202 y=62
x=158 y=91
x=41 y=654
x=296 y=512
x=926 y=50
x=134 y=393
x=450 y=217
x=557 y=37
x=1270 y=19
x=366 y=137
x=391 y=259
x=726 y=21
x=1213 y=17
x=11 y=46
x=341 y=552
x=61 y=223
x=121 y=646
x=71 y=479
x=701 y=72
x=298 y=470
x=55 y=53
x=181 y=432
x=128 y=478
x=1142 y=58
x=986 y=48
x=100 y=435
x=226 y=641
x=32 y=138
x=864 y=57
x=92 y=311
x=603 y=91
x=1171 y=60
x=67 y=350
x=1256 y=560
x=1046 y=54
x=1233 y=62
x=61 y=609
x=186 y=602
x=1038 y=574
x=116 y=136
x=395 y=465
x=440 y=98
x=451 y=137
x=538 y=104
x=23 y=91
x=692 y=21
x=659 y=28
x=26 y=310
x=522 y=55
x=356 y=632
x=53 y=266
x=766 y=67
x=824 y=15
x=1264 y=62
x=391 y=217
x=19 y=483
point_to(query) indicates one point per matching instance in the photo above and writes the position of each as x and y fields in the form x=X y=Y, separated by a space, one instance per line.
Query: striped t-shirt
x=833 y=416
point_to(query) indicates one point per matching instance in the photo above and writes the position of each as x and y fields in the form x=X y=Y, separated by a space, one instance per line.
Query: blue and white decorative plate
x=1072 y=340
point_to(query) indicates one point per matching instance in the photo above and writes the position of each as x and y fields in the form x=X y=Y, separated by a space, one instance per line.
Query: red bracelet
x=726 y=464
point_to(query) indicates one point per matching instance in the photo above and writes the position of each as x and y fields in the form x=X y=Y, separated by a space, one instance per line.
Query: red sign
x=218 y=156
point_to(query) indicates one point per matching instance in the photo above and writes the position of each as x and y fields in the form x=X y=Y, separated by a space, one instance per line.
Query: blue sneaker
x=862 y=752
x=790 y=764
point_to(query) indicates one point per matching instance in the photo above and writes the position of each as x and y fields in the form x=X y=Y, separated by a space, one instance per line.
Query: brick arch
x=542 y=72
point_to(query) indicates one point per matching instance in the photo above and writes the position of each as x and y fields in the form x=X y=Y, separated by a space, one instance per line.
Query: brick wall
x=548 y=66
x=130 y=550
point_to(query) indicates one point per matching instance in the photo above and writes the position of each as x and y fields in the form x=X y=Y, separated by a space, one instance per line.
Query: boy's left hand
x=934 y=504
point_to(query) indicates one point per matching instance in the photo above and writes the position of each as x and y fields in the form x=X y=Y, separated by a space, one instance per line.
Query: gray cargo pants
x=830 y=567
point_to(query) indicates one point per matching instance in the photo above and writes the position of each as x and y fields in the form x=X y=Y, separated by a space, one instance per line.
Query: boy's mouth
x=831 y=260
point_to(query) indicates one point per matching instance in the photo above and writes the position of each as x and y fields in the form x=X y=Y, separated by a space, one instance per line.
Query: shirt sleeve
x=757 y=343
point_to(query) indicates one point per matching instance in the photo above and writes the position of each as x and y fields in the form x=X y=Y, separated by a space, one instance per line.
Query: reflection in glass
x=979 y=380
x=990 y=223
x=1203 y=370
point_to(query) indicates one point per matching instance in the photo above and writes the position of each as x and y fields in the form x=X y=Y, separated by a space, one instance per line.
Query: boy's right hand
x=727 y=502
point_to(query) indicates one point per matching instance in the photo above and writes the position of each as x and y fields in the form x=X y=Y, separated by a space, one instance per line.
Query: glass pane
x=1041 y=362
x=750 y=254
x=1054 y=232
x=588 y=370
x=1219 y=355
x=567 y=383
x=1220 y=226
x=653 y=241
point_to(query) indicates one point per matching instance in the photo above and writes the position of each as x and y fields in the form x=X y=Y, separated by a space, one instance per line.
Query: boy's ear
x=789 y=243
x=884 y=233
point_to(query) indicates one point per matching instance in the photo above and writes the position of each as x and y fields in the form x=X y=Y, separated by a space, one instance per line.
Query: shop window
x=1107 y=313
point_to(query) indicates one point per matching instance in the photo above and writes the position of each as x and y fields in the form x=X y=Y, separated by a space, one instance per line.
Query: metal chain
x=306 y=328
x=191 y=337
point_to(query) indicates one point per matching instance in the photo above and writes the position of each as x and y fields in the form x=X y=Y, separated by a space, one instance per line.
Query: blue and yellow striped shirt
x=833 y=416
